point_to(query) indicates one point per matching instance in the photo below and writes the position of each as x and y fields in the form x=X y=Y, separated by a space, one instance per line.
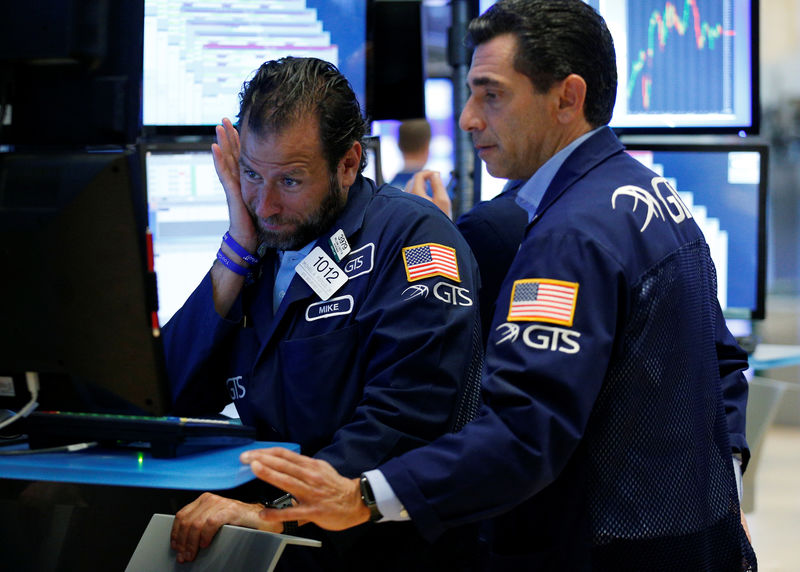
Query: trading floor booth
x=81 y=334
x=111 y=508
x=107 y=111
x=107 y=114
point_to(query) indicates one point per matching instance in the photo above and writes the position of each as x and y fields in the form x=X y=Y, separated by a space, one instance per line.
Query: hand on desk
x=325 y=498
x=196 y=524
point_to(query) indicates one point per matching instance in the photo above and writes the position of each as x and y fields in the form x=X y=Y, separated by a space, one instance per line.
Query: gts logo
x=540 y=337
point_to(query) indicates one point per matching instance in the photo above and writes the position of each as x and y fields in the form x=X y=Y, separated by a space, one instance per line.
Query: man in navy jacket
x=338 y=315
x=615 y=395
x=494 y=230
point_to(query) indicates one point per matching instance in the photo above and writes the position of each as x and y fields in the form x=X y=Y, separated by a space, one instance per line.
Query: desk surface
x=768 y=356
x=214 y=469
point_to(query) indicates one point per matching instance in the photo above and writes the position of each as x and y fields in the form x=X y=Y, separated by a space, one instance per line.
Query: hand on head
x=226 y=152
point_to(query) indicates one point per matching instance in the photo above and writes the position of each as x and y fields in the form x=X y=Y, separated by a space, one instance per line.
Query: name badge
x=339 y=245
x=329 y=308
x=321 y=273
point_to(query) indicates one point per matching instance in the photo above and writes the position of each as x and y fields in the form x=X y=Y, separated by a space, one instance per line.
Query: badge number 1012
x=321 y=273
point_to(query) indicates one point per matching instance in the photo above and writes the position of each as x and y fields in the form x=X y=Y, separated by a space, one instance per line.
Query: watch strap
x=290 y=527
x=368 y=498
x=285 y=501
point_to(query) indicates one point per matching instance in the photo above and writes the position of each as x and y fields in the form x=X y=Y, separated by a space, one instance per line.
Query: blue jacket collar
x=586 y=157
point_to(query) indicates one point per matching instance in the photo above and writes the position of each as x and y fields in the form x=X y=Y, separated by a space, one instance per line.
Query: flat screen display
x=686 y=65
x=188 y=215
x=81 y=315
x=724 y=186
x=439 y=113
x=197 y=53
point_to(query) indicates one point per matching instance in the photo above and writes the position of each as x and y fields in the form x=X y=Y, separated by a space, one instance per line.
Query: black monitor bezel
x=84 y=322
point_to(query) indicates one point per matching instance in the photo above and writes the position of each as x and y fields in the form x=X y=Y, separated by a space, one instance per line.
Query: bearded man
x=338 y=315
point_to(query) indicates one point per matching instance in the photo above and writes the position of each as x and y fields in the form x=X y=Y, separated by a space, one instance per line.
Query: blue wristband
x=251 y=259
x=231 y=265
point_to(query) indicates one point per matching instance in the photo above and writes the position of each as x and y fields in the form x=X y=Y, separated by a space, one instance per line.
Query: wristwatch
x=368 y=498
x=289 y=526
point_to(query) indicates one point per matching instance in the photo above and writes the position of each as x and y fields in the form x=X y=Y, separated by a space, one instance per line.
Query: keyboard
x=165 y=437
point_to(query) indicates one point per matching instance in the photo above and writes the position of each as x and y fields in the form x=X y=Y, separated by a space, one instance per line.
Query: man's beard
x=305 y=230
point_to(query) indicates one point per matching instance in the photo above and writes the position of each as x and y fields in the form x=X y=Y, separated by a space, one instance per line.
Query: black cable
x=61 y=449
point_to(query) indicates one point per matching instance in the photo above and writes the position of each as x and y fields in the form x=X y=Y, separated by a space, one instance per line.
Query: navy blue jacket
x=494 y=231
x=614 y=391
x=380 y=368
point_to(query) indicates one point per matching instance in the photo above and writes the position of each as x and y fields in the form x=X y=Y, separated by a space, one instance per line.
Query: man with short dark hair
x=338 y=315
x=615 y=395
x=414 y=142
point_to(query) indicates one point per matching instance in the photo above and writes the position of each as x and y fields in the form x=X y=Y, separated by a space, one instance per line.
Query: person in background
x=613 y=433
x=338 y=315
x=414 y=141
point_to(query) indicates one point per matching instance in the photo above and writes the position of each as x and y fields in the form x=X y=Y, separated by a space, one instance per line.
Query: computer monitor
x=685 y=66
x=188 y=214
x=688 y=66
x=197 y=54
x=395 y=61
x=76 y=298
x=725 y=187
x=372 y=150
x=440 y=114
x=70 y=73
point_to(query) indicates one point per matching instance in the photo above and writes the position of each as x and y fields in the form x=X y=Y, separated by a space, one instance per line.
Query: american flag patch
x=431 y=259
x=543 y=300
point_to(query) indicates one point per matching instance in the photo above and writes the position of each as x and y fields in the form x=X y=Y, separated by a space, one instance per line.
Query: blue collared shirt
x=531 y=193
x=289 y=261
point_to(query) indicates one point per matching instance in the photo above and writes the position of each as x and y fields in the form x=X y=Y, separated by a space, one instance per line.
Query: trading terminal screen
x=197 y=53
x=724 y=188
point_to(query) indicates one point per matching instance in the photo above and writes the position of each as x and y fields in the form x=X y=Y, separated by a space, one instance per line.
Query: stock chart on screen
x=684 y=64
x=674 y=40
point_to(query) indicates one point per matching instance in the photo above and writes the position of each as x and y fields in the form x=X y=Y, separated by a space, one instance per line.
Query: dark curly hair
x=285 y=90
